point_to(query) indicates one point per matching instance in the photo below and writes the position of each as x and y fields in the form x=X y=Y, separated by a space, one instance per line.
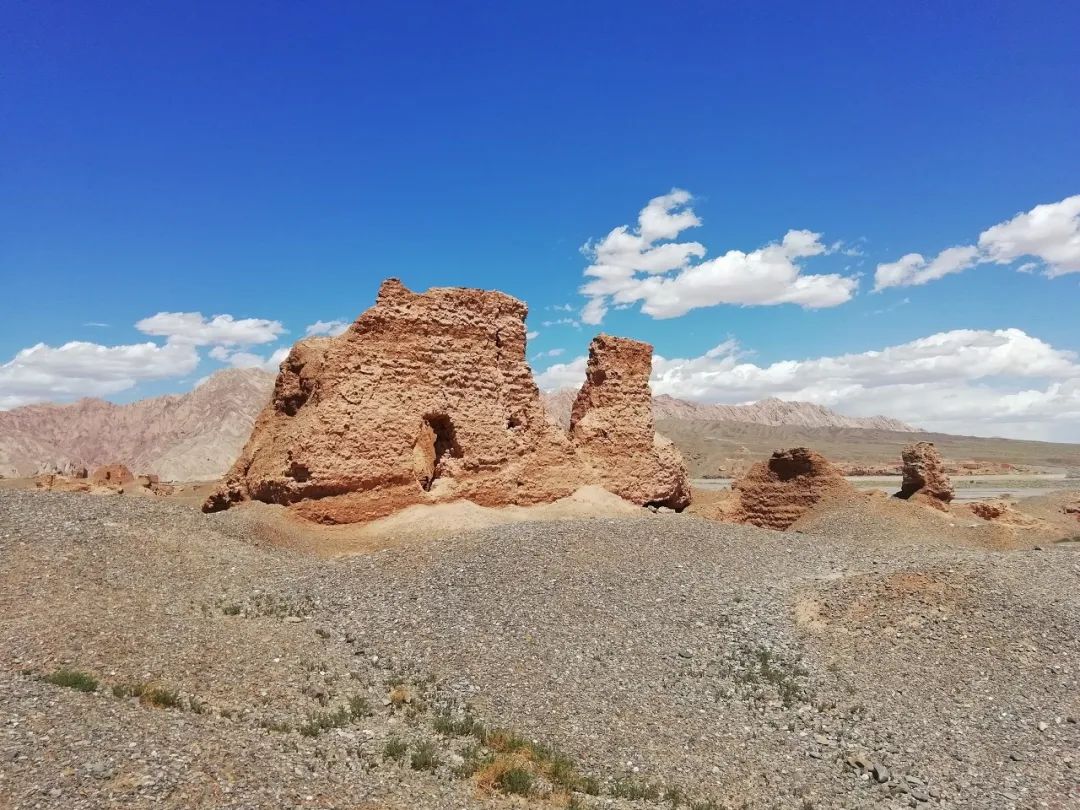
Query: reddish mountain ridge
x=196 y=436
x=180 y=437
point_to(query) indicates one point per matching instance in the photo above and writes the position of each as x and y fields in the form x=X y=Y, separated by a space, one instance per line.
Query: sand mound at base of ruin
x=279 y=527
x=878 y=519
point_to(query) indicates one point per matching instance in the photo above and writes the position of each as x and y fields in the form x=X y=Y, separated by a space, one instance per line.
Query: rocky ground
x=151 y=655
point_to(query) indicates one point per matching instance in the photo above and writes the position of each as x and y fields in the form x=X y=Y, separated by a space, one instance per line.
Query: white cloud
x=913 y=269
x=562 y=322
x=96 y=324
x=670 y=278
x=193 y=328
x=1002 y=382
x=903 y=302
x=532 y=335
x=241 y=359
x=1049 y=233
x=563 y=375
x=844 y=249
x=549 y=353
x=331 y=328
x=79 y=369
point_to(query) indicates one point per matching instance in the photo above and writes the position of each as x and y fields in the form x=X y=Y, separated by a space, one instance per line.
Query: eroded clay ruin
x=428 y=398
x=775 y=493
x=925 y=479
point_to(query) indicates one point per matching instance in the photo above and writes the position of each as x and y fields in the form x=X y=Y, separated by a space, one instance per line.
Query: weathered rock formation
x=612 y=422
x=775 y=493
x=112 y=475
x=925 y=478
x=989 y=510
x=428 y=398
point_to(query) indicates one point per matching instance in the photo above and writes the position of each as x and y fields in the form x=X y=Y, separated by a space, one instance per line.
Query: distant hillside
x=191 y=436
x=767 y=412
x=726 y=448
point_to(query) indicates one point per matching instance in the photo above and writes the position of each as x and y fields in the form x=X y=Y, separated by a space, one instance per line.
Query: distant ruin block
x=775 y=493
x=112 y=475
x=924 y=476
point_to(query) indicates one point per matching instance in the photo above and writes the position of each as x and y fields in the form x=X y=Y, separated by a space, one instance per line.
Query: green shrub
x=73 y=679
x=463 y=726
x=395 y=749
x=516 y=781
x=359 y=707
x=161 y=697
x=424 y=758
x=318 y=722
x=632 y=789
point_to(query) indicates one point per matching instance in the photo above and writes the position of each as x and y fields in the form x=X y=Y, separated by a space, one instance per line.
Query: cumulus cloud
x=913 y=269
x=532 y=335
x=1003 y=382
x=80 y=368
x=242 y=359
x=1049 y=233
x=570 y=374
x=193 y=328
x=669 y=278
x=76 y=369
x=331 y=328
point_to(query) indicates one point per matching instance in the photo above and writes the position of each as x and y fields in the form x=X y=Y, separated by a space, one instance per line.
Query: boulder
x=775 y=493
x=925 y=478
x=428 y=398
x=989 y=510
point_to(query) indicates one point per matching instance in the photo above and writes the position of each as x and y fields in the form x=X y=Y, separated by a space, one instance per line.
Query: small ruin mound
x=112 y=475
x=775 y=493
x=925 y=478
x=989 y=510
x=111 y=479
x=428 y=398
x=55 y=482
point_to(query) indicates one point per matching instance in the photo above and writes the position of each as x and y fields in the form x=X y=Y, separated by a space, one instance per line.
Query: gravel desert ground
x=659 y=661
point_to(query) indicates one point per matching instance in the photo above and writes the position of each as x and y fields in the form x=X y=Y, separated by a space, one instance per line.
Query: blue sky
x=276 y=161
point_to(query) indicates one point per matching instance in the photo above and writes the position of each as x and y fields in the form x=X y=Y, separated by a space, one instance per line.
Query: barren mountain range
x=192 y=436
x=196 y=436
x=770 y=411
